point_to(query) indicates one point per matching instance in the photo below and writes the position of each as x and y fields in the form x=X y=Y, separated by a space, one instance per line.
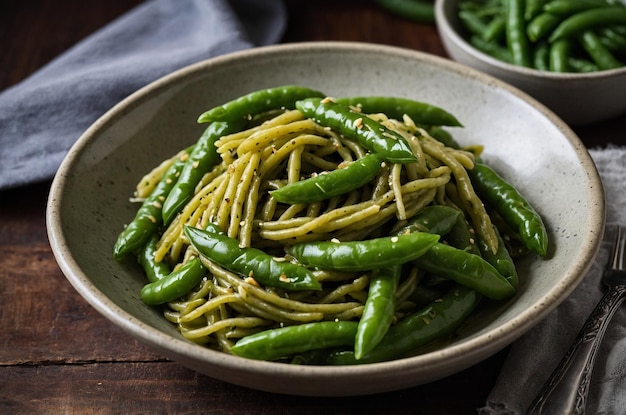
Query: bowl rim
x=473 y=349
x=447 y=29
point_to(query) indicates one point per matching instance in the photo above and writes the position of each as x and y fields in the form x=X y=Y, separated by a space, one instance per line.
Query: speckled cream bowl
x=578 y=99
x=88 y=203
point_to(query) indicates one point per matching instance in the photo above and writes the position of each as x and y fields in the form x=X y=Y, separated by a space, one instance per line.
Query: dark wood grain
x=58 y=355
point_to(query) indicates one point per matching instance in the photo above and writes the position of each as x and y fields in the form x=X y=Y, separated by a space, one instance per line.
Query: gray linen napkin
x=41 y=117
x=533 y=357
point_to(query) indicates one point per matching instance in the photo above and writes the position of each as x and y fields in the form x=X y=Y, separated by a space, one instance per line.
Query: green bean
x=473 y=22
x=612 y=40
x=148 y=216
x=512 y=206
x=417 y=10
x=516 y=33
x=214 y=245
x=466 y=269
x=598 y=52
x=494 y=29
x=175 y=285
x=329 y=184
x=581 y=65
x=282 y=342
x=154 y=270
x=363 y=255
x=581 y=21
x=378 y=311
x=568 y=7
x=435 y=219
x=458 y=235
x=259 y=101
x=559 y=54
x=501 y=260
x=371 y=134
x=492 y=49
x=618 y=28
x=541 y=56
x=542 y=25
x=532 y=9
x=439 y=319
x=201 y=160
x=462 y=236
x=396 y=107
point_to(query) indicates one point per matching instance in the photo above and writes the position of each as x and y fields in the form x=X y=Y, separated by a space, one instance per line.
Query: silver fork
x=565 y=392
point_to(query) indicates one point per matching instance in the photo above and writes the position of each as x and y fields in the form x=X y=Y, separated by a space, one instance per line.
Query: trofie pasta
x=323 y=234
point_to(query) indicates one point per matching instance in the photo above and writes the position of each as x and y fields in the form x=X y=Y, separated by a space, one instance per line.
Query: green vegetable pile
x=557 y=35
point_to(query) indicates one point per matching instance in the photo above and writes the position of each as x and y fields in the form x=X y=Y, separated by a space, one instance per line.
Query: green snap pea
x=201 y=160
x=581 y=21
x=421 y=11
x=282 y=342
x=154 y=270
x=371 y=134
x=329 y=184
x=439 y=319
x=462 y=236
x=259 y=101
x=216 y=246
x=363 y=255
x=500 y=260
x=437 y=219
x=396 y=107
x=175 y=285
x=516 y=33
x=380 y=304
x=149 y=215
x=378 y=311
x=511 y=205
x=466 y=269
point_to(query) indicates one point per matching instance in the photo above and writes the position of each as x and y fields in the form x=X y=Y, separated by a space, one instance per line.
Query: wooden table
x=58 y=355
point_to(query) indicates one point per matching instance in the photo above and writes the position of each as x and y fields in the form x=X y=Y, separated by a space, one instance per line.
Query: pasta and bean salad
x=315 y=230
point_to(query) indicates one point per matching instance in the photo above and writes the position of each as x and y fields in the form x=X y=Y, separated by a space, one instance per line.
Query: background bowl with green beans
x=570 y=55
x=89 y=205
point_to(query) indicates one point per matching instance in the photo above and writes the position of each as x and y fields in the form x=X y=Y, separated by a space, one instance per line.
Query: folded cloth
x=532 y=358
x=41 y=117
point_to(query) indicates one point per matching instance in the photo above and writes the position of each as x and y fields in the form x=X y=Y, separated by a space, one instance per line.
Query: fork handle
x=565 y=392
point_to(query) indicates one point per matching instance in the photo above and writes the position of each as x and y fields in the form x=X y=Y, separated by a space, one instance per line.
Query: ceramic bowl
x=528 y=144
x=578 y=98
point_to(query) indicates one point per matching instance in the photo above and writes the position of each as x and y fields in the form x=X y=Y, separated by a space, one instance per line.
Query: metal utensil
x=565 y=392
